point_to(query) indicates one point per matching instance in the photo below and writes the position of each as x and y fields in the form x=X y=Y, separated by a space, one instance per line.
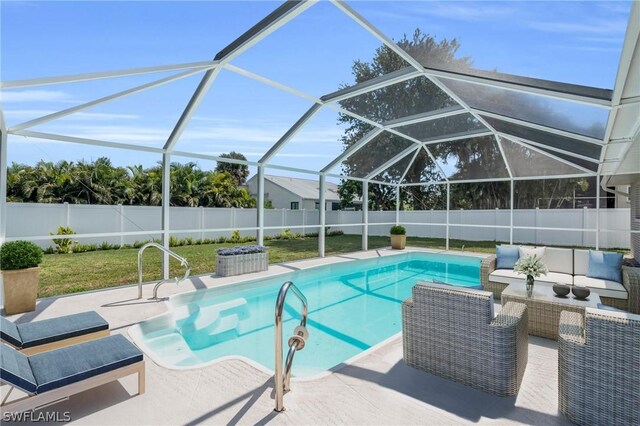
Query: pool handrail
x=181 y=259
x=296 y=342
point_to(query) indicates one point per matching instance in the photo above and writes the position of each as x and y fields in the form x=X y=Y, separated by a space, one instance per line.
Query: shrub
x=235 y=251
x=64 y=245
x=82 y=248
x=235 y=236
x=20 y=255
x=335 y=233
x=108 y=246
x=398 y=230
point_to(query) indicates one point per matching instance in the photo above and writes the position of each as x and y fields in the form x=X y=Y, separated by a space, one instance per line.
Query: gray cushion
x=15 y=369
x=9 y=332
x=56 y=329
x=61 y=367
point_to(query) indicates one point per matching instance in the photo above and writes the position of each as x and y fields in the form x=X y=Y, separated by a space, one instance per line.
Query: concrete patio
x=376 y=389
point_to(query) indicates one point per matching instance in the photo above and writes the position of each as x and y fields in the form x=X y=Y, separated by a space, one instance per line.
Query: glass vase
x=529 y=285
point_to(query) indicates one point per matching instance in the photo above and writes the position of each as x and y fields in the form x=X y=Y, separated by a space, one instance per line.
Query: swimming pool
x=353 y=306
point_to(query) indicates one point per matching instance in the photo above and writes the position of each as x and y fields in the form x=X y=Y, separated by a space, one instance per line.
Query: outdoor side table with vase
x=544 y=307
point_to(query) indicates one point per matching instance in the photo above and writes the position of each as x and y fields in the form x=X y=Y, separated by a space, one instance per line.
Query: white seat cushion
x=604 y=288
x=555 y=278
x=559 y=260
x=507 y=276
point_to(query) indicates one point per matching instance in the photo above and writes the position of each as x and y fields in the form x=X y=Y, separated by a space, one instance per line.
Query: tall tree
x=239 y=172
x=392 y=102
x=470 y=159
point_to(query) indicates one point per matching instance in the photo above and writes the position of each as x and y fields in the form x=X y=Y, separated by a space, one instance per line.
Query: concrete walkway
x=376 y=389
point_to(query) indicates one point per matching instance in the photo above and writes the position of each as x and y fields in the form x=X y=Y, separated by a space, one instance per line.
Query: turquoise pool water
x=353 y=306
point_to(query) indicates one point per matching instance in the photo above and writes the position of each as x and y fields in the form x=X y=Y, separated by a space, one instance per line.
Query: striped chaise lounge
x=40 y=336
x=451 y=332
x=55 y=375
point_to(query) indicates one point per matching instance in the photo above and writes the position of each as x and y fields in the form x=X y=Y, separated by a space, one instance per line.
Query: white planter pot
x=242 y=264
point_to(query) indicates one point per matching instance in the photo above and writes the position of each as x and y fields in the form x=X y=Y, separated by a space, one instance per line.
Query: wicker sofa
x=569 y=266
x=451 y=332
x=598 y=374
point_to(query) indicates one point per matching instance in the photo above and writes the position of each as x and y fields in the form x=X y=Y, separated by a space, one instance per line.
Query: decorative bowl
x=580 y=292
x=561 y=290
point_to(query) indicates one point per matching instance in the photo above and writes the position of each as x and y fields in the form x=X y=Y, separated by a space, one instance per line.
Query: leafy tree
x=393 y=102
x=474 y=158
x=100 y=182
x=239 y=172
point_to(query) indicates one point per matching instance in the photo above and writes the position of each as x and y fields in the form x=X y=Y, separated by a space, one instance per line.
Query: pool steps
x=203 y=326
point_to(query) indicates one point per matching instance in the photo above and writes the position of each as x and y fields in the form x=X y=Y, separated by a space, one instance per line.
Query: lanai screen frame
x=289 y=10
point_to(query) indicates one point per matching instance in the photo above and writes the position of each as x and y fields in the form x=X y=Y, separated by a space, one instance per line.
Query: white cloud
x=29 y=114
x=602 y=27
x=448 y=10
x=35 y=96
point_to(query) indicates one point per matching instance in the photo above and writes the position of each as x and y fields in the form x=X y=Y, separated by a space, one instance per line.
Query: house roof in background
x=307 y=189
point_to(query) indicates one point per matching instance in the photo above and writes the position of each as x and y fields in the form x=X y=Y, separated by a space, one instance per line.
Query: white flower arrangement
x=530 y=265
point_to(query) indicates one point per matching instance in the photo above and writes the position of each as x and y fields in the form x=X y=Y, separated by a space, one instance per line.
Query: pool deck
x=376 y=389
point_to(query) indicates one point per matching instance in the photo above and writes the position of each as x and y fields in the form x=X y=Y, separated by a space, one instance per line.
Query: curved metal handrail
x=181 y=259
x=295 y=343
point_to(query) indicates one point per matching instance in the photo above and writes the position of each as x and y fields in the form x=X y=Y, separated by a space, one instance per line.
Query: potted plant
x=398 y=237
x=19 y=262
x=241 y=260
x=532 y=267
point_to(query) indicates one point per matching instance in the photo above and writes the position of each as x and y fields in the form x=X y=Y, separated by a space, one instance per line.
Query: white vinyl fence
x=127 y=224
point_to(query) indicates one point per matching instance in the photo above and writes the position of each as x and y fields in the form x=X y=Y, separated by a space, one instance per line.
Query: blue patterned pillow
x=605 y=265
x=506 y=256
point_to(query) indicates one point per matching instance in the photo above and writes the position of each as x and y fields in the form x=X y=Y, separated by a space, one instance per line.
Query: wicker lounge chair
x=598 y=367
x=40 y=336
x=55 y=375
x=451 y=332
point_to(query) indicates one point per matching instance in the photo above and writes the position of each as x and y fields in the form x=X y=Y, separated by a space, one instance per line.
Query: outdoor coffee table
x=544 y=307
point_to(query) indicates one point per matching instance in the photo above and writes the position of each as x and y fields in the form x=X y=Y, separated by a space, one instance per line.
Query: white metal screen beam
x=444 y=175
x=276 y=19
x=391 y=162
x=628 y=49
x=352 y=149
x=531 y=125
x=266 y=26
x=552 y=148
x=192 y=106
x=549 y=93
x=122 y=94
x=85 y=141
x=535 y=148
x=425 y=116
x=458 y=136
x=3 y=185
x=290 y=133
x=372 y=84
x=409 y=166
x=18 y=84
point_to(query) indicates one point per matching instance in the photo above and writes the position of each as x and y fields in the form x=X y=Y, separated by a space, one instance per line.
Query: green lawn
x=70 y=273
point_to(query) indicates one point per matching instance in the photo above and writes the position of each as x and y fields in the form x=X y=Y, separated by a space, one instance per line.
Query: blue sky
x=576 y=42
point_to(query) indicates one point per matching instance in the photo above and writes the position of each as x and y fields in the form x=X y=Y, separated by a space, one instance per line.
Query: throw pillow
x=506 y=256
x=605 y=265
x=539 y=252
